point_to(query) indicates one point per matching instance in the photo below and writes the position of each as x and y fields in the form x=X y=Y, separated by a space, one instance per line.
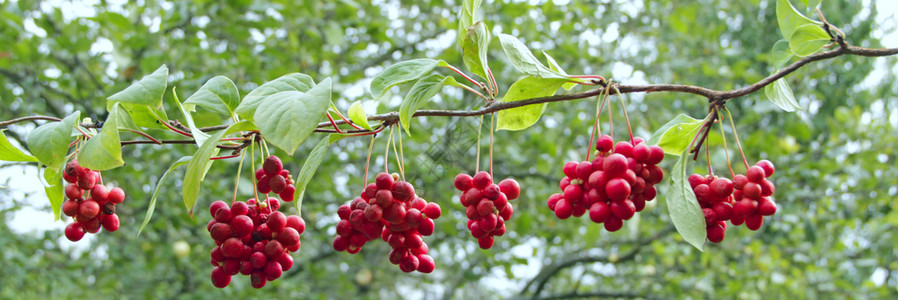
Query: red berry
x=257 y=279
x=583 y=170
x=755 y=174
x=604 y=143
x=110 y=222
x=613 y=224
x=570 y=169
x=72 y=191
x=70 y=208
x=74 y=232
x=617 y=189
x=89 y=208
x=491 y=191
x=564 y=209
x=623 y=209
x=482 y=179
x=614 y=165
x=215 y=206
x=87 y=180
x=273 y=270
x=91 y=225
x=384 y=181
x=286 y=261
x=641 y=152
x=716 y=232
x=739 y=181
x=599 y=212
x=277 y=184
x=432 y=210
x=553 y=200
x=277 y=221
x=272 y=165
x=426 y=227
x=573 y=194
x=288 y=193
x=288 y=237
x=507 y=212
x=264 y=185
x=768 y=167
x=767 y=188
x=463 y=182
x=624 y=148
x=220 y=278
x=754 y=221
x=221 y=231
x=409 y=263
x=425 y=263
x=721 y=187
x=766 y=206
x=752 y=190
x=656 y=155
x=485 y=242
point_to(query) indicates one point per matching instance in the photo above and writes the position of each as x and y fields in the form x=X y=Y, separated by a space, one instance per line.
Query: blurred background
x=834 y=235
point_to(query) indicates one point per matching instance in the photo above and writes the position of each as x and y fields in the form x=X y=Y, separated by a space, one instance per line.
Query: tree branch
x=600 y=294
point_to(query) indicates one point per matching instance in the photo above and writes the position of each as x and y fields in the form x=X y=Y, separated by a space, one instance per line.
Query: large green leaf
x=807 y=39
x=50 y=142
x=674 y=136
x=466 y=17
x=423 y=90
x=475 y=49
x=198 y=136
x=290 y=82
x=8 y=152
x=152 y=206
x=557 y=68
x=55 y=190
x=286 y=119
x=523 y=60
x=143 y=99
x=308 y=169
x=197 y=167
x=104 y=150
x=789 y=19
x=780 y=94
x=401 y=72
x=528 y=87
x=683 y=207
x=357 y=115
x=219 y=94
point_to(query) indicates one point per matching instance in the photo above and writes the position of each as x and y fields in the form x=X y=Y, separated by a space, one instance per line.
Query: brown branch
x=600 y=294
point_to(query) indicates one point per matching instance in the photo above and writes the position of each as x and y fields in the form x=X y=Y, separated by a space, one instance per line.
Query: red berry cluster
x=254 y=239
x=389 y=209
x=273 y=178
x=752 y=194
x=91 y=204
x=486 y=204
x=715 y=195
x=745 y=199
x=614 y=186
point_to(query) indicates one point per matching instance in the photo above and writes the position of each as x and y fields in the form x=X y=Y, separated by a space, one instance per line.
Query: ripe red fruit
x=510 y=188
x=656 y=155
x=288 y=193
x=491 y=191
x=482 y=179
x=101 y=194
x=599 y=212
x=297 y=223
x=755 y=174
x=89 y=208
x=286 y=261
x=87 y=180
x=432 y=210
x=721 y=187
x=74 y=232
x=384 y=181
x=110 y=222
x=403 y=191
x=273 y=270
x=277 y=221
x=70 y=208
x=485 y=242
x=716 y=232
x=754 y=221
x=221 y=231
x=220 y=278
x=277 y=184
x=463 y=182
x=91 y=225
x=613 y=224
x=624 y=209
x=768 y=167
x=72 y=191
x=425 y=263
x=604 y=143
x=272 y=165
x=409 y=263
x=232 y=248
x=641 y=152
x=617 y=189
x=257 y=279
x=615 y=165
x=766 y=207
x=563 y=209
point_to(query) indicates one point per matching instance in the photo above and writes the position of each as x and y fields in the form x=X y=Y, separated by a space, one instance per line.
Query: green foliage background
x=836 y=177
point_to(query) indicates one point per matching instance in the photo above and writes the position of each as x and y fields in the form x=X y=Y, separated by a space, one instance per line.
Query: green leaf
x=789 y=19
x=684 y=210
x=780 y=94
x=401 y=72
x=197 y=167
x=528 y=87
x=55 y=191
x=50 y=142
x=422 y=91
x=781 y=53
x=674 y=136
x=152 y=207
x=104 y=150
x=198 y=135
x=286 y=119
x=466 y=18
x=555 y=67
x=8 y=152
x=219 y=94
x=290 y=82
x=475 y=49
x=308 y=169
x=357 y=115
x=807 y=39
x=143 y=99
x=523 y=60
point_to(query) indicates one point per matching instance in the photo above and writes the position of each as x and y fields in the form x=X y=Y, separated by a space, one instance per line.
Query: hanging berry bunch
x=89 y=202
x=273 y=178
x=615 y=185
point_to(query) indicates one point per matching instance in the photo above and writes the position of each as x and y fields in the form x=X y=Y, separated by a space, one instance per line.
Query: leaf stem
x=468 y=78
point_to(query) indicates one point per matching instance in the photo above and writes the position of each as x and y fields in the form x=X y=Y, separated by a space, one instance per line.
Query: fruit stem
x=596 y=127
x=265 y=146
x=610 y=115
x=368 y=161
x=252 y=161
x=387 y=152
x=708 y=157
x=472 y=90
x=624 y=108
x=237 y=182
x=726 y=149
x=477 y=160
x=736 y=135
x=396 y=154
x=401 y=156
x=495 y=91
x=492 y=130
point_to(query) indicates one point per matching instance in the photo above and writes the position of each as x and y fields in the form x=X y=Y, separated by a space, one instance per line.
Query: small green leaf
x=152 y=207
x=50 y=142
x=523 y=60
x=683 y=207
x=807 y=39
x=781 y=53
x=475 y=49
x=401 y=72
x=290 y=82
x=674 y=136
x=55 y=190
x=198 y=135
x=555 y=67
x=104 y=150
x=466 y=18
x=357 y=115
x=308 y=169
x=789 y=19
x=780 y=94
x=8 y=152
x=525 y=116
x=197 y=167
x=143 y=99
x=422 y=91
x=286 y=119
x=219 y=94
